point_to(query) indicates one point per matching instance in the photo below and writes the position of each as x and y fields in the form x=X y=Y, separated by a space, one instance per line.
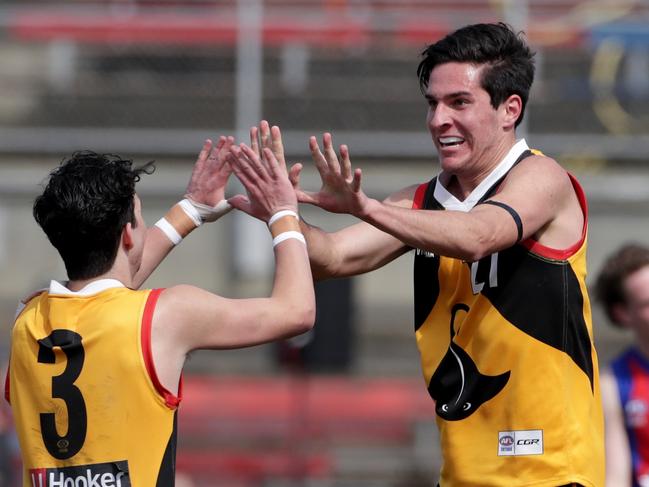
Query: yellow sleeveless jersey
x=507 y=353
x=88 y=407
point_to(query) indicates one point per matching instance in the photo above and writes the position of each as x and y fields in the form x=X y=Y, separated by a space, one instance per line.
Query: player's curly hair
x=508 y=59
x=85 y=205
x=609 y=285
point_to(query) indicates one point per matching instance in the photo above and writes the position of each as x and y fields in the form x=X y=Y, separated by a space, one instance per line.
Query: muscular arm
x=538 y=189
x=618 y=457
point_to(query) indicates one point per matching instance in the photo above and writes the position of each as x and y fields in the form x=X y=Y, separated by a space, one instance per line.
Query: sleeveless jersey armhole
x=563 y=254
x=172 y=401
x=418 y=200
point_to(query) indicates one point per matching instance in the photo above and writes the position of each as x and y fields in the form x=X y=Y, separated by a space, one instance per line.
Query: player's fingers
x=356 y=182
x=330 y=153
x=215 y=155
x=294 y=175
x=272 y=165
x=240 y=165
x=277 y=145
x=264 y=134
x=318 y=157
x=346 y=162
x=224 y=151
x=254 y=139
x=254 y=162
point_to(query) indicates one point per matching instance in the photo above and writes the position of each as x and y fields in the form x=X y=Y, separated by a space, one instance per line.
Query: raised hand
x=211 y=172
x=341 y=187
x=265 y=180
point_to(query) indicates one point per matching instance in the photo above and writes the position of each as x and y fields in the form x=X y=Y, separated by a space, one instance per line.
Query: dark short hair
x=609 y=286
x=84 y=207
x=508 y=59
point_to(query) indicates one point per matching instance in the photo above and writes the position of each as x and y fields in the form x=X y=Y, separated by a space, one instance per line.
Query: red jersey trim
x=7 y=386
x=171 y=400
x=418 y=200
x=563 y=254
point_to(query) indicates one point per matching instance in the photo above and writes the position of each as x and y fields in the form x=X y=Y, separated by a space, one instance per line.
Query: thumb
x=240 y=202
x=294 y=175
x=306 y=197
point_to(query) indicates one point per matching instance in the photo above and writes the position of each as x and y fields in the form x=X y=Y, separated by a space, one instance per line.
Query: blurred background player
x=95 y=368
x=500 y=268
x=623 y=289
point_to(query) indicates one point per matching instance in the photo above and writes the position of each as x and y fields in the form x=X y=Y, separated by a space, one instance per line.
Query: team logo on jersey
x=457 y=386
x=112 y=474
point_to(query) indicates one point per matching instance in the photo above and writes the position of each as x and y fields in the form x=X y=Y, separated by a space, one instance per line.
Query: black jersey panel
x=426 y=267
x=543 y=299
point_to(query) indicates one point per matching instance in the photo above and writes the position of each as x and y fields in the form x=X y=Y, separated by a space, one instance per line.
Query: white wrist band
x=168 y=229
x=208 y=213
x=288 y=235
x=191 y=211
x=281 y=214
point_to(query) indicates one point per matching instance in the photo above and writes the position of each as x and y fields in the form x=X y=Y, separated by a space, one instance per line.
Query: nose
x=438 y=116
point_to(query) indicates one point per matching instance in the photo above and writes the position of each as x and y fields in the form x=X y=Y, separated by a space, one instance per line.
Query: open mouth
x=450 y=141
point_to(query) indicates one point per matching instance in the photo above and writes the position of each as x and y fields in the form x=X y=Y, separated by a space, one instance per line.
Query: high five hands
x=262 y=166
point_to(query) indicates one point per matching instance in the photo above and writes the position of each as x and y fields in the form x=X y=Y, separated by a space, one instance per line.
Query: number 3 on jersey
x=68 y=445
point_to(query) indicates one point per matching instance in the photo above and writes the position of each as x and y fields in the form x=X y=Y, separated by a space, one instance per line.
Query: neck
x=118 y=272
x=461 y=183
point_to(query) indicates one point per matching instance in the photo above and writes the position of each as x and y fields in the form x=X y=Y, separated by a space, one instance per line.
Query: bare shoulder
x=182 y=297
x=403 y=197
x=541 y=171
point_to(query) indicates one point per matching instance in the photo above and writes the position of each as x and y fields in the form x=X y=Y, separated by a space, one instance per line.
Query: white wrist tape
x=168 y=229
x=288 y=235
x=191 y=211
x=281 y=214
x=208 y=213
x=181 y=219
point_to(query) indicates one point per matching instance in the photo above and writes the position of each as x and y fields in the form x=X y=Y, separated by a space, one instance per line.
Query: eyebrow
x=450 y=95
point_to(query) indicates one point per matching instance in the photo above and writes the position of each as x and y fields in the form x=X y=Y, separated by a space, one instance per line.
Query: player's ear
x=127 y=236
x=512 y=108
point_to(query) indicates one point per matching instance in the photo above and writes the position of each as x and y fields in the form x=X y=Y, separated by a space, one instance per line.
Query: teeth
x=450 y=140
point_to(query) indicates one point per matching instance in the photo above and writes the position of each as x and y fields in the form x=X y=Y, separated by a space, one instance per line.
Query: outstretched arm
x=206 y=191
x=538 y=189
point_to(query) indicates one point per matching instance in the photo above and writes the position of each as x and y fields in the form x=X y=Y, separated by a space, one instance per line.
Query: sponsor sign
x=111 y=474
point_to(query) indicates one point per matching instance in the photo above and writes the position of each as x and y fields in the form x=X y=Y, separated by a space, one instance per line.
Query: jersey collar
x=450 y=202
x=89 y=289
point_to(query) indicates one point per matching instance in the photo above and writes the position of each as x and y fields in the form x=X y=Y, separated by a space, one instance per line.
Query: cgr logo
x=113 y=474
x=529 y=441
